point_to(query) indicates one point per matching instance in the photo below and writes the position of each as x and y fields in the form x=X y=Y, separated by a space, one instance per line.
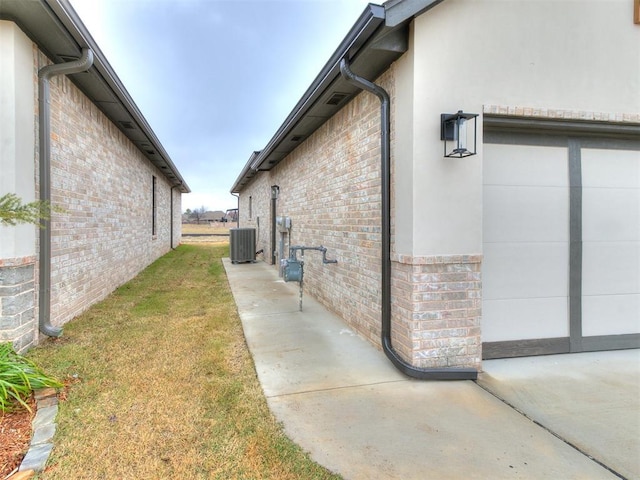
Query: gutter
x=448 y=373
x=44 y=159
x=102 y=76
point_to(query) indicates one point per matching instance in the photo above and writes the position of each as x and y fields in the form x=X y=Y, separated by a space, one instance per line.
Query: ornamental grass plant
x=19 y=377
x=161 y=384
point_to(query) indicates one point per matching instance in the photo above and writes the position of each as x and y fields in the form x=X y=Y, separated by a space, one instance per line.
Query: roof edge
x=72 y=22
x=364 y=28
x=399 y=11
x=368 y=22
x=65 y=21
x=376 y=22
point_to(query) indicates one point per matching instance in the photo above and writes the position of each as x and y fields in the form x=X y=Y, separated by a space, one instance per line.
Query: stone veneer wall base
x=17 y=302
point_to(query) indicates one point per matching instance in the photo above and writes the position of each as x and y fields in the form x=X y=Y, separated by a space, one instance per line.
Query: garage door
x=561 y=226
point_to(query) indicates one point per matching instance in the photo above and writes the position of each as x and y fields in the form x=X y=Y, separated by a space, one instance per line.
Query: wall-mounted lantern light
x=458 y=130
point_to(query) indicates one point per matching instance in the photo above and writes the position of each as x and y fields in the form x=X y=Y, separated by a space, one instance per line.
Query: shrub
x=18 y=378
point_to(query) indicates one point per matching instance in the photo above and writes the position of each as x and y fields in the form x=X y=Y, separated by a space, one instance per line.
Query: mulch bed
x=15 y=436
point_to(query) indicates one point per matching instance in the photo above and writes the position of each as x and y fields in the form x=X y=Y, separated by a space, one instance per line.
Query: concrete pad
x=591 y=400
x=296 y=353
x=339 y=398
x=418 y=430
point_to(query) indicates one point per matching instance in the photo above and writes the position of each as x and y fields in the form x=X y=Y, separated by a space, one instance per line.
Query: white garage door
x=561 y=226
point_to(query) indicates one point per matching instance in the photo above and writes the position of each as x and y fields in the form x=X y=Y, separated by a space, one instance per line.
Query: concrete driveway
x=590 y=400
x=559 y=417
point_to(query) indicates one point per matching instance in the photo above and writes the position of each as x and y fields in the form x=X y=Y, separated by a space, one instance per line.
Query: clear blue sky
x=215 y=79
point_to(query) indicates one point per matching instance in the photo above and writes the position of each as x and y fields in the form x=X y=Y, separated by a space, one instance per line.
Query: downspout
x=171 y=215
x=450 y=373
x=275 y=191
x=237 y=195
x=44 y=75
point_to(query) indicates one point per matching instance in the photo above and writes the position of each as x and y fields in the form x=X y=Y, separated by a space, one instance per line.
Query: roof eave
x=376 y=40
x=58 y=31
x=367 y=24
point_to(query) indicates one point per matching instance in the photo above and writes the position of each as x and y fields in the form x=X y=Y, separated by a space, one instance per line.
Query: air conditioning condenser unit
x=242 y=244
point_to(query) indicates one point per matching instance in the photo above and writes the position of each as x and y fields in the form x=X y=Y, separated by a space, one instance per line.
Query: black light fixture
x=458 y=133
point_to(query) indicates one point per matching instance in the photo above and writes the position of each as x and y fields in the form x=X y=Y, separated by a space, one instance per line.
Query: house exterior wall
x=334 y=201
x=256 y=213
x=103 y=184
x=17 y=118
x=510 y=56
x=577 y=66
x=329 y=186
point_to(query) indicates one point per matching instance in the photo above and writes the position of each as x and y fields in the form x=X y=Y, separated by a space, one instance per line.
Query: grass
x=162 y=384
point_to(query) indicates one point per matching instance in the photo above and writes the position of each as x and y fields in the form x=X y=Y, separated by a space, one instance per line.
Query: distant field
x=216 y=232
x=214 y=228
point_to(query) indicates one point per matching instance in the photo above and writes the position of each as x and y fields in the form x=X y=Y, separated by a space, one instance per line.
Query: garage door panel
x=610 y=315
x=611 y=268
x=610 y=168
x=611 y=214
x=525 y=270
x=525 y=165
x=525 y=214
x=522 y=319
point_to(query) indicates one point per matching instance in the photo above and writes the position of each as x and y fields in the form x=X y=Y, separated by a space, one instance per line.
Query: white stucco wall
x=17 y=124
x=578 y=56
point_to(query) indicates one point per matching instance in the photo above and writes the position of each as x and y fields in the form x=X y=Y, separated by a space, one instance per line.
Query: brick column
x=436 y=309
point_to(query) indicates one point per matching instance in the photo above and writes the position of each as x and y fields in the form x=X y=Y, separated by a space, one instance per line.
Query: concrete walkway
x=341 y=400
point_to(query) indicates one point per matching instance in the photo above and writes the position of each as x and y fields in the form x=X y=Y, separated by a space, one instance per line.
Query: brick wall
x=256 y=213
x=330 y=187
x=104 y=185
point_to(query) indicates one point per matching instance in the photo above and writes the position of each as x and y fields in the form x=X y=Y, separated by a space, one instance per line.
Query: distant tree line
x=196 y=214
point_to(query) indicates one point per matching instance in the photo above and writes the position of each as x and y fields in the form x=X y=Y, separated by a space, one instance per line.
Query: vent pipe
x=44 y=113
x=449 y=373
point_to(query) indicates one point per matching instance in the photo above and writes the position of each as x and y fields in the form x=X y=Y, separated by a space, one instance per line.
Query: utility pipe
x=44 y=112
x=448 y=373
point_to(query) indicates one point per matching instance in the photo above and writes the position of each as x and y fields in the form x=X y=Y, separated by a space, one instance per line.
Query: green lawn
x=161 y=384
